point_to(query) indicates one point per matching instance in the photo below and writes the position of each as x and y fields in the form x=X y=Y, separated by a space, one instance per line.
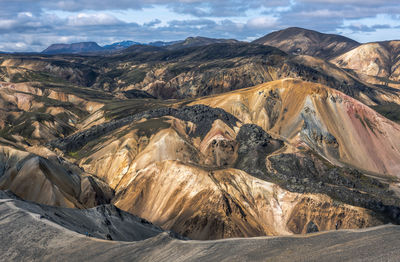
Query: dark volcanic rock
x=135 y=93
x=305 y=173
x=201 y=115
x=254 y=145
x=312 y=228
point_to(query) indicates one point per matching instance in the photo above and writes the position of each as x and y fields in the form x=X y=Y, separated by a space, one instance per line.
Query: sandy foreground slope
x=31 y=232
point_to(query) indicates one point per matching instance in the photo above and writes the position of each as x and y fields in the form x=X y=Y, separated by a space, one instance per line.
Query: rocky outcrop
x=254 y=145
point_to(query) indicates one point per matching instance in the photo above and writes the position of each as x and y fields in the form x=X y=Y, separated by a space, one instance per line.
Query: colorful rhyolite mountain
x=375 y=62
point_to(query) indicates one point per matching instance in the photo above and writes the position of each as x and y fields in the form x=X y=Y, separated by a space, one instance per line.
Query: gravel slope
x=25 y=236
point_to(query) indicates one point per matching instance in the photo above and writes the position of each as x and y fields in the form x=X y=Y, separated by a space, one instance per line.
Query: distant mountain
x=128 y=43
x=378 y=62
x=90 y=47
x=200 y=41
x=301 y=41
x=121 y=45
x=162 y=43
x=74 y=48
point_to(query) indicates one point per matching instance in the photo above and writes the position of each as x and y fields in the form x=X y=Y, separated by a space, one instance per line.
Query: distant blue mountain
x=75 y=48
x=93 y=47
x=121 y=45
x=162 y=43
x=128 y=43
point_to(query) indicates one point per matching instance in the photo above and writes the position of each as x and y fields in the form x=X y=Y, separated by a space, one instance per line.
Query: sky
x=32 y=25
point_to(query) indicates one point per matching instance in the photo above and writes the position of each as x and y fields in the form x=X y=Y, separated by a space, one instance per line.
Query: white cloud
x=321 y=13
x=262 y=22
x=7 y=24
x=85 y=19
x=25 y=15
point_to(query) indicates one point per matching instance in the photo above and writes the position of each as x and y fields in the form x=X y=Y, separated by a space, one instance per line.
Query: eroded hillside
x=377 y=63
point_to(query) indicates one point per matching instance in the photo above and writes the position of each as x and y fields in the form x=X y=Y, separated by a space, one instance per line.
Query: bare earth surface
x=28 y=233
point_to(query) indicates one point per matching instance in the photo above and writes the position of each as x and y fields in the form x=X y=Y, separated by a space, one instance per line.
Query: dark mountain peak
x=207 y=40
x=200 y=41
x=121 y=45
x=74 y=48
x=302 y=41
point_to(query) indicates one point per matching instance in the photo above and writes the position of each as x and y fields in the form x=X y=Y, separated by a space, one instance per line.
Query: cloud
x=352 y=2
x=153 y=23
x=84 y=19
x=224 y=8
x=262 y=22
x=364 y=28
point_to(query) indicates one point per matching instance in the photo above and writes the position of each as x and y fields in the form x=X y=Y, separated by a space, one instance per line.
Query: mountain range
x=297 y=132
x=92 y=47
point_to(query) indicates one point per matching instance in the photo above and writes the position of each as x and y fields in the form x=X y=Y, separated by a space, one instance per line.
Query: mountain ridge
x=74 y=48
x=297 y=40
x=93 y=47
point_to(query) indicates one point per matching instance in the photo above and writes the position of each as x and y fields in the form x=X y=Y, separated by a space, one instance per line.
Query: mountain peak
x=121 y=45
x=300 y=41
x=201 y=41
x=74 y=48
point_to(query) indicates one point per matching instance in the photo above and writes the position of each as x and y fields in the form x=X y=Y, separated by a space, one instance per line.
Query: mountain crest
x=300 y=41
x=74 y=48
